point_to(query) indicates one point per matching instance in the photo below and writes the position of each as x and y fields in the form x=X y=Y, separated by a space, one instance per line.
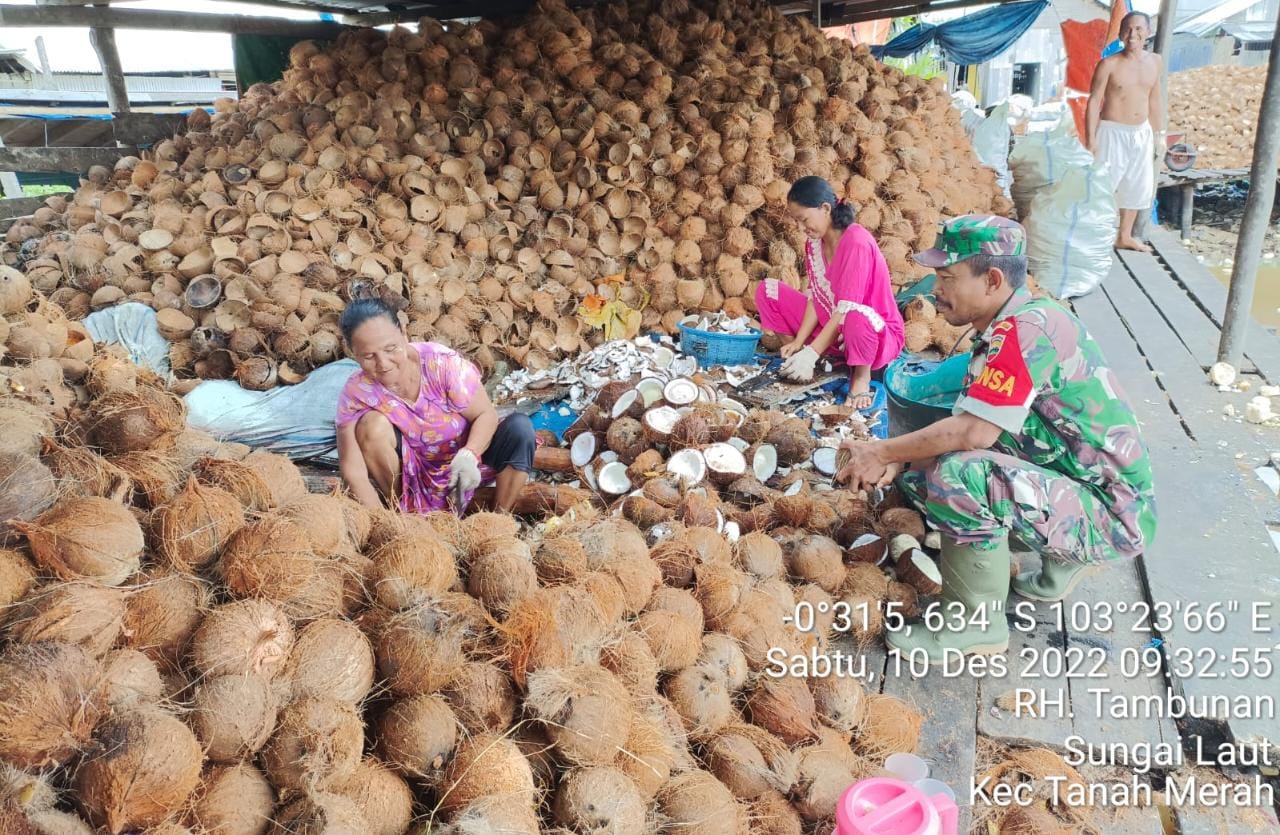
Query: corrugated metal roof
x=1212 y=19
x=1250 y=32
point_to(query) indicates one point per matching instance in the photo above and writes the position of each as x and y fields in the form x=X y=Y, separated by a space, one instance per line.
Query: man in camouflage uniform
x=1042 y=444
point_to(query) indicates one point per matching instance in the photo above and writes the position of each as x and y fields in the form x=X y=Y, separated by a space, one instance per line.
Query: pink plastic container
x=884 y=806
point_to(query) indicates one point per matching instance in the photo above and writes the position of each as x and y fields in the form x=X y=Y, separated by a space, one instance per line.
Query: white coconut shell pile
x=200 y=645
x=1217 y=108
x=487 y=178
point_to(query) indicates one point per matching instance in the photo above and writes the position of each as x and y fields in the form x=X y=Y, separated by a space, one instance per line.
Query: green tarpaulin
x=261 y=58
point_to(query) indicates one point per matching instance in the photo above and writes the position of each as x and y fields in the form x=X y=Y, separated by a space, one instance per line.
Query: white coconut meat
x=1222 y=373
x=902 y=544
x=732 y=532
x=794 y=488
x=681 y=392
x=739 y=444
x=764 y=462
x=589 y=476
x=624 y=402
x=663 y=357
x=583 y=449
x=650 y=389
x=688 y=466
x=659 y=421
x=659 y=532
x=870 y=548
x=706 y=394
x=824 y=460
x=732 y=405
x=613 y=479
x=724 y=463
x=919 y=571
x=608 y=456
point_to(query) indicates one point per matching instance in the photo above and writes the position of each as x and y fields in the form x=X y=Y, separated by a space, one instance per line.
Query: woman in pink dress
x=849 y=312
x=416 y=428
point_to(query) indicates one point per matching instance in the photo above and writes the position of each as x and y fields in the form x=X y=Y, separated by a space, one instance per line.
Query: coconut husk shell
x=600 y=798
x=817 y=559
x=321 y=811
x=51 y=698
x=672 y=628
x=773 y=814
x=759 y=555
x=80 y=613
x=793 y=441
x=632 y=661
x=247 y=637
x=897 y=521
x=410 y=566
x=419 y=650
x=750 y=761
x=701 y=697
x=889 y=726
x=331 y=657
x=281 y=475
x=234 y=715
x=272 y=559
x=502 y=577
x=27 y=489
x=482 y=698
x=27 y=427
x=417 y=736
x=82 y=472
x=161 y=614
x=132 y=679
x=696 y=802
x=121 y=422
x=232 y=799
x=676 y=559
x=317 y=741
x=325 y=520
x=190 y=530
x=785 y=707
x=17 y=578
x=383 y=797
x=485 y=767
x=240 y=480
x=146 y=767
x=586 y=711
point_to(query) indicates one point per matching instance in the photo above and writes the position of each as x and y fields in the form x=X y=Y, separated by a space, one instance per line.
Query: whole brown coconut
x=331 y=657
x=248 y=637
x=718 y=588
x=83 y=614
x=721 y=652
x=317 y=742
x=232 y=800
x=676 y=559
x=691 y=430
x=146 y=766
x=817 y=559
x=630 y=659
x=320 y=813
x=793 y=441
x=161 y=614
x=626 y=437
x=133 y=421
x=82 y=472
x=420 y=650
x=773 y=814
x=359 y=521
x=411 y=565
x=585 y=710
x=240 y=480
x=889 y=726
x=649 y=754
x=502 y=576
x=17 y=578
x=607 y=540
x=901 y=520
x=793 y=511
x=474 y=534
x=51 y=698
x=785 y=707
x=325 y=520
x=482 y=698
x=560 y=626
x=759 y=555
x=131 y=679
x=840 y=700
x=1034 y=820
x=281 y=476
x=600 y=799
x=825 y=773
x=701 y=698
x=234 y=715
x=644 y=512
x=487 y=766
x=417 y=735
x=699 y=510
x=383 y=797
x=190 y=530
x=560 y=559
x=696 y=803
x=607 y=592
x=27 y=428
x=86 y=538
x=750 y=761
x=496 y=814
x=272 y=559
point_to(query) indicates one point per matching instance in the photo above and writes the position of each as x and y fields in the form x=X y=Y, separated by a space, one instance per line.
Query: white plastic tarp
x=132 y=325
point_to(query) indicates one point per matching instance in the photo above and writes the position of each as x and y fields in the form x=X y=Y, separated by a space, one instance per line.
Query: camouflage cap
x=968 y=235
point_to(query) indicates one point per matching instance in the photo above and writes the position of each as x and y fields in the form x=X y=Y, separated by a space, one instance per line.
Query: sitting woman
x=416 y=428
x=850 y=312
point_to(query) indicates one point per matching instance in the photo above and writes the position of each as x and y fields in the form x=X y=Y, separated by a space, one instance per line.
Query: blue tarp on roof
x=972 y=39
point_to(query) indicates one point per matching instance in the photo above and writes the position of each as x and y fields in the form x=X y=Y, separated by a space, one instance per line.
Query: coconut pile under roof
x=487 y=179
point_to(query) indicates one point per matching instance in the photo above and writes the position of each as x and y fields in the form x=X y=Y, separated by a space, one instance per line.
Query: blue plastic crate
x=718 y=348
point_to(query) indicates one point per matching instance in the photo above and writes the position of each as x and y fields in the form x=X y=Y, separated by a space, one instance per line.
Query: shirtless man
x=1122 y=123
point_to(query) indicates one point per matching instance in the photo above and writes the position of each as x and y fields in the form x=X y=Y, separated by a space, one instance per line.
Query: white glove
x=464 y=475
x=799 y=366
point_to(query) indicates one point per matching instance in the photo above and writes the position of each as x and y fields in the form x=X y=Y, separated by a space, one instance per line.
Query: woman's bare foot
x=1133 y=244
x=861 y=400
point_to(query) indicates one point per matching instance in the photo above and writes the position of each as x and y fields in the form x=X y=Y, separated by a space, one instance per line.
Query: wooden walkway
x=1157 y=320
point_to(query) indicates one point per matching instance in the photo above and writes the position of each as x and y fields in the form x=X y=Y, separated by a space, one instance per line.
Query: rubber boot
x=1054 y=581
x=979 y=581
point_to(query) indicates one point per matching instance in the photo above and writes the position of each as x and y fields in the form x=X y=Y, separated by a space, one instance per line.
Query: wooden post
x=45 y=72
x=104 y=43
x=1186 y=207
x=1257 y=214
x=1164 y=35
x=817 y=13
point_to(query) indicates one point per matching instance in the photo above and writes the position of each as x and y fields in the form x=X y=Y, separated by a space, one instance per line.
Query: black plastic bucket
x=921 y=392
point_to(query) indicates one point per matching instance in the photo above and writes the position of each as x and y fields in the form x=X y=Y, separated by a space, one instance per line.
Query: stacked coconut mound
x=488 y=178
x=925 y=329
x=1217 y=108
x=196 y=644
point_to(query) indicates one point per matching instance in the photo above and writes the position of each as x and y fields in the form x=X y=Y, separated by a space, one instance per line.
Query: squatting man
x=1042 y=445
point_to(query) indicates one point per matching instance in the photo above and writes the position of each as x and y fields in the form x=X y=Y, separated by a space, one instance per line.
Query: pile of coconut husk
x=488 y=178
x=194 y=643
x=1217 y=108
